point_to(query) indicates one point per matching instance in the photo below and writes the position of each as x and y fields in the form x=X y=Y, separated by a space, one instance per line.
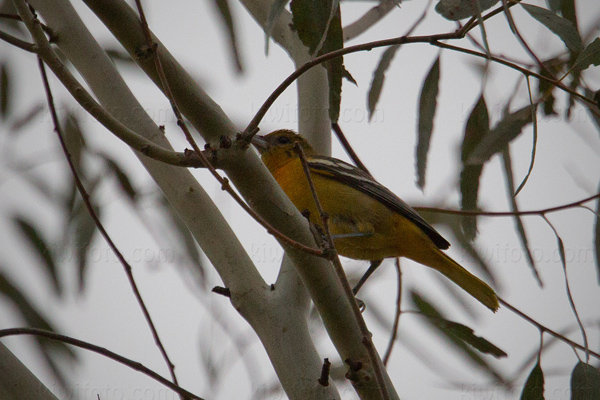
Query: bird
x=366 y=220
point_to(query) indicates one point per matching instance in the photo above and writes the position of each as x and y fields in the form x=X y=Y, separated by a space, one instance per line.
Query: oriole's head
x=277 y=148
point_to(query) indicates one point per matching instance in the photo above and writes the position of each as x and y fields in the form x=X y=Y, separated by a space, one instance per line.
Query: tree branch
x=17 y=381
x=100 y=350
x=86 y=200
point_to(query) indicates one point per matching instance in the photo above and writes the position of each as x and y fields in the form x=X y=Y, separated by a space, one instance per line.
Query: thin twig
x=225 y=185
x=508 y=213
x=367 y=338
x=23 y=45
x=102 y=351
x=535 y=137
x=392 y=340
x=513 y=26
x=568 y=288
x=434 y=40
x=86 y=200
x=89 y=103
x=346 y=145
x=546 y=329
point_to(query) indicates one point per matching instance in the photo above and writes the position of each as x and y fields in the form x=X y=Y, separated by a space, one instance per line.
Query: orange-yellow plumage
x=367 y=221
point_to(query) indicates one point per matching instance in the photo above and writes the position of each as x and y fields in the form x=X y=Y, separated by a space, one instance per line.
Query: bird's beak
x=260 y=143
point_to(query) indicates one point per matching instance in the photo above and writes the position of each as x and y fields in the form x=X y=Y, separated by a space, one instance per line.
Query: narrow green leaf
x=124 y=182
x=509 y=128
x=335 y=68
x=460 y=336
x=590 y=55
x=467 y=335
x=225 y=13
x=379 y=78
x=554 y=5
x=563 y=28
x=34 y=318
x=274 y=12
x=585 y=382
x=546 y=91
x=595 y=118
x=84 y=230
x=427 y=106
x=5 y=91
x=37 y=242
x=53 y=366
x=567 y=9
x=32 y=315
x=24 y=120
x=534 y=387
x=310 y=19
x=507 y=162
x=319 y=27
x=74 y=141
x=597 y=239
x=185 y=240
x=455 y=10
x=563 y=260
x=476 y=128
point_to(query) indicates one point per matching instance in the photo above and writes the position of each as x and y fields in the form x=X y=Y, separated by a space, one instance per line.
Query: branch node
x=223 y=291
x=225 y=142
x=225 y=184
x=143 y=52
x=324 y=378
x=355 y=372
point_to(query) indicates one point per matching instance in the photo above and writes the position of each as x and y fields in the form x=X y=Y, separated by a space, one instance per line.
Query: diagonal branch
x=88 y=204
x=102 y=351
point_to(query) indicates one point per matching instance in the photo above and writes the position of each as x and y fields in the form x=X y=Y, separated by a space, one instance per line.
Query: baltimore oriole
x=366 y=220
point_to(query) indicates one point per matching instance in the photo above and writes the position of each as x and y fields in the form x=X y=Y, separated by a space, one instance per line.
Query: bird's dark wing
x=355 y=177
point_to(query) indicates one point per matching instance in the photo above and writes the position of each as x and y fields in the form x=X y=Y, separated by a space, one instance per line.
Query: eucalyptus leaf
x=510 y=182
x=310 y=19
x=27 y=118
x=597 y=239
x=225 y=13
x=34 y=317
x=461 y=336
x=534 y=386
x=379 y=78
x=75 y=141
x=455 y=10
x=585 y=382
x=38 y=243
x=5 y=91
x=275 y=11
x=476 y=128
x=590 y=55
x=508 y=129
x=123 y=180
x=563 y=28
x=427 y=107
x=84 y=231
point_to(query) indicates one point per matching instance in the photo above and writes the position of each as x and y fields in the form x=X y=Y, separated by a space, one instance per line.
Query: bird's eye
x=283 y=140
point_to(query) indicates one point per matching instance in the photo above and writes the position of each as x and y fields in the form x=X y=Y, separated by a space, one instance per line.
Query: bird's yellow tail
x=463 y=278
